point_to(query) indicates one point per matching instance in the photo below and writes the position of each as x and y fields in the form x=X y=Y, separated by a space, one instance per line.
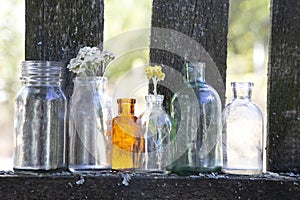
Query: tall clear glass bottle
x=242 y=132
x=197 y=127
x=40 y=118
x=126 y=144
x=90 y=125
x=155 y=127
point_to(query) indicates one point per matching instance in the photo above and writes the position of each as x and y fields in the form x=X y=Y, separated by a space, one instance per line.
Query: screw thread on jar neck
x=42 y=72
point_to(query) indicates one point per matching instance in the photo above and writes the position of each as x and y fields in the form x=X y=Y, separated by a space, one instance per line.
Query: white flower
x=90 y=61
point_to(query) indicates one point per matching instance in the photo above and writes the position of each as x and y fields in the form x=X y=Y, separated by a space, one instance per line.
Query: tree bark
x=195 y=30
x=56 y=29
x=283 y=140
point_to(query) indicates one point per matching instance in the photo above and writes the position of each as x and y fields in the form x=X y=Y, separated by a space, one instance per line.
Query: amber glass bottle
x=127 y=147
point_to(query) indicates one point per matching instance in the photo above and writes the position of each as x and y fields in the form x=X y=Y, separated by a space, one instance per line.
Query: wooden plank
x=203 y=22
x=114 y=186
x=283 y=148
x=56 y=29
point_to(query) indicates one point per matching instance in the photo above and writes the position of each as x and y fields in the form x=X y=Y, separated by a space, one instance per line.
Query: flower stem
x=154 y=85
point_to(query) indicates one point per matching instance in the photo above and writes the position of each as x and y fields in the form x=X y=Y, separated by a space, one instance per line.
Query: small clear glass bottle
x=155 y=127
x=126 y=144
x=40 y=118
x=197 y=127
x=242 y=132
x=90 y=125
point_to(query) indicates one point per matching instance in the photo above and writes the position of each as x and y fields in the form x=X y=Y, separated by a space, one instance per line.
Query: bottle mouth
x=242 y=85
x=126 y=100
x=190 y=67
x=194 y=72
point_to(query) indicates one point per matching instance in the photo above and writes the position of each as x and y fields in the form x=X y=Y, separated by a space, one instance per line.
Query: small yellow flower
x=157 y=68
x=158 y=72
x=160 y=75
x=149 y=72
x=155 y=73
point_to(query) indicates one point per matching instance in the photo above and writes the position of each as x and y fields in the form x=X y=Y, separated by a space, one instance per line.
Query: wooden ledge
x=137 y=186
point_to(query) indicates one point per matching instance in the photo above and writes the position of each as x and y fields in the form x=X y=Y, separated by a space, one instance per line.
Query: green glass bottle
x=197 y=127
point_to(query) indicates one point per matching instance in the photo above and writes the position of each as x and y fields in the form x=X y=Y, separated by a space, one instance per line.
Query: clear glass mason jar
x=40 y=118
x=242 y=132
x=90 y=125
x=155 y=127
x=197 y=127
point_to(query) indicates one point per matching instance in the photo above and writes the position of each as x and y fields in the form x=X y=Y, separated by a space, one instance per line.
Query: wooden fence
x=56 y=29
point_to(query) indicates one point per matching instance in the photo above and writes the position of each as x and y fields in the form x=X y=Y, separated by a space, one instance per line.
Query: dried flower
x=149 y=72
x=155 y=73
x=90 y=61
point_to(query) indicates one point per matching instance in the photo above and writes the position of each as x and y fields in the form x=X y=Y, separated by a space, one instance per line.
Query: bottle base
x=89 y=168
x=82 y=169
x=152 y=171
x=194 y=170
x=242 y=171
x=31 y=170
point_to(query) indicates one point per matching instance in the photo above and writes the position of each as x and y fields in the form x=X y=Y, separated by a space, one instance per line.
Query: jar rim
x=199 y=64
x=89 y=79
x=242 y=84
x=152 y=97
x=126 y=100
x=48 y=63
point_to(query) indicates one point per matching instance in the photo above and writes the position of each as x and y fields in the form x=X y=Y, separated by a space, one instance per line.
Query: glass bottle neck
x=154 y=101
x=90 y=82
x=126 y=106
x=194 y=72
x=242 y=90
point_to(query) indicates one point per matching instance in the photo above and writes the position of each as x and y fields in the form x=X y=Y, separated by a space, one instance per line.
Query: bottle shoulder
x=200 y=92
x=123 y=117
x=49 y=93
x=242 y=107
x=153 y=113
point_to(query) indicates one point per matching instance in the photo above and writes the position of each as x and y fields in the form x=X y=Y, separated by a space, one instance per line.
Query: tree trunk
x=56 y=29
x=283 y=142
x=192 y=29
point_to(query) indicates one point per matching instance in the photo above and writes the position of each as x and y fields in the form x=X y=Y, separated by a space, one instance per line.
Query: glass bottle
x=155 y=127
x=126 y=144
x=197 y=126
x=242 y=132
x=90 y=125
x=40 y=118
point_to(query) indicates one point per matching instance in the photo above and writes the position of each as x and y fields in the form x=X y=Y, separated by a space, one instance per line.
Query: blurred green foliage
x=249 y=23
x=121 y=16
x=11 y=47
x=11 y=53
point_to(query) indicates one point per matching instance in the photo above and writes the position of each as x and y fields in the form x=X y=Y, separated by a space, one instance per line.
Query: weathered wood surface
x=283 y=149
x=203 y=22
x=56 y=29
x=113 y=186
